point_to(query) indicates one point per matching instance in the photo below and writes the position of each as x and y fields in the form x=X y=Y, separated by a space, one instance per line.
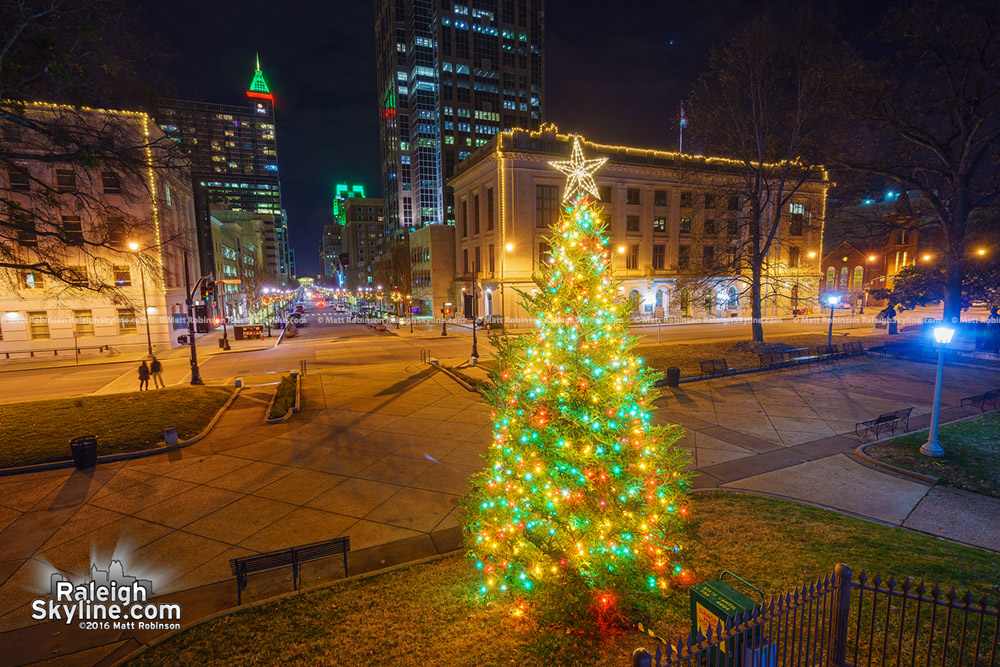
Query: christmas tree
x=581 y=488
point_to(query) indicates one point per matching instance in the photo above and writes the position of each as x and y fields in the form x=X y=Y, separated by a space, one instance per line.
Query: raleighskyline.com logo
x=111 y=600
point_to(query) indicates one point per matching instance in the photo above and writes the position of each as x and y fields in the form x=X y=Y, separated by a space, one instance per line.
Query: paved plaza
x=383 y=454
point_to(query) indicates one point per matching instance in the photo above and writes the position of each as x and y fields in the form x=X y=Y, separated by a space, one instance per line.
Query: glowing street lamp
x=831 y=301
x=864 y=282
x=134 y=247
x=942 y=335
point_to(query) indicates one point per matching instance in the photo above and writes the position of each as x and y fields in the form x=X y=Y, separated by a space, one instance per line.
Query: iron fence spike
x=935 y=592
x=863 y=577
x=891 y=583
x=983 y=603
x=951 y=595
x=877 y=580
x=921 y=589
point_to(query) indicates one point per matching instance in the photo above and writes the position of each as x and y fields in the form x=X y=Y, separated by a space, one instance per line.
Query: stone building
x=667 y=213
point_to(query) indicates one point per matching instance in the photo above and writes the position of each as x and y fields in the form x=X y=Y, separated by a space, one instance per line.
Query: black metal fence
x=836 y=621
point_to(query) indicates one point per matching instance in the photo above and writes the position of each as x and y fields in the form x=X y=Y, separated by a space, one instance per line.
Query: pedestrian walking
x=143 y=376
x=156 y=370
x=993 y=326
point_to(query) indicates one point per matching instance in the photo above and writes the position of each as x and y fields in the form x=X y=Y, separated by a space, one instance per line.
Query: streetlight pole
x=409 y=307
x=833 y=301
x=475 y=271
x=932 y=447
x=145 y=307
x=195 y=374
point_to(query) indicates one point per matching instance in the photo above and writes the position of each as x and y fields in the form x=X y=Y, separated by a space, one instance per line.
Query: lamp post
x=832 y=301
x=475 y=298
x=932 y=447
x=864 y=283
x=409 y=307
x=134 y=247
x=195 y=374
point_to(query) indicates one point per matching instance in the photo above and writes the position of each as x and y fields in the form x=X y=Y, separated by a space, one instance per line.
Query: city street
x=329 y=340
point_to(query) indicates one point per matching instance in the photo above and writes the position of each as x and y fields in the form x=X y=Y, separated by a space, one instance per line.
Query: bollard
x=239 y=382
x=641 y=658
x=170 y=436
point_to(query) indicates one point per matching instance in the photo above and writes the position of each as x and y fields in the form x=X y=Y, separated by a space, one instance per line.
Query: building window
x=633 y=197
x=857 y=280
x=492 y=265
x=475 y=214
x=659 y=197
x=631 y=223
x=123 y=276
x=687 y=199
x=830 y=277
x=31 y=280
x=116 y=232
x=83 y=323
x=659 y=256
x=734 y=203
x=126 y=321
x=793 y=257
x=709 y=227
x=72 y=229
x=38 y=325
x=465 y=218
x=604 y=192
x=683 y=256
x=685 y=225
x=19 y=179
x=797 y=210
x=546 y=205
x=478 y=265
x=708 y=255
x=795 y=227
x=842 y=283
x=709 y=201
x=632 y=258
x=465 y=260
x=489 y=208
x=25 y=224
x=731 y=228
x=659 y=224
x=113 y=185
x=65 y=180
x=77 y=276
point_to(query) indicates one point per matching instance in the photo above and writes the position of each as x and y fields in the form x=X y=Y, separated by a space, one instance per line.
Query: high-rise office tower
x=234 y=162
x=450 y=76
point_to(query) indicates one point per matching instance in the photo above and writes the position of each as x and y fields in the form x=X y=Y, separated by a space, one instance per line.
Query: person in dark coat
x=143 y=376
x=156 y=370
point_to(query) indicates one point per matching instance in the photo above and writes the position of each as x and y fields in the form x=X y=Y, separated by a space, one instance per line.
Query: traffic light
x=208 y=288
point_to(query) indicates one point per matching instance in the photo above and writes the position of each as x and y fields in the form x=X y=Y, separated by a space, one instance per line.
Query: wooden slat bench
x=772 y=359
x=853 y=349
x=294 y=556
x=887 y=420
x=980 y=400
x=715 y=368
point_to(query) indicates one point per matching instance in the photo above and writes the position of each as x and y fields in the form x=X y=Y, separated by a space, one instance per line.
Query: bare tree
x=927 y=119
x=70 y=174
x=761 y=103
x=393 y=266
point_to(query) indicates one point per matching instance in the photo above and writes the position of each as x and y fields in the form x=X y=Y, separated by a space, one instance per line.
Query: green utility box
x=712 y=602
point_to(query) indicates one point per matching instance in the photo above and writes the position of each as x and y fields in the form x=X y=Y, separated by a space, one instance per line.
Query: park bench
x=294 y=556
x=799 y=354
x=715 y=368
x=772 y=359
x=853 y=349
x=980 y=400
x=827 y=352
x=887 y=420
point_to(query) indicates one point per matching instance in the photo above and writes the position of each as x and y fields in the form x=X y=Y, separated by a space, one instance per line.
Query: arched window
x=709 y=301
x=686 y=303
x=636 y=300
x=734 y=299
x=659 y=299
x=831 y=275
x=488 y=310
x=842 y=283
x=858 y=279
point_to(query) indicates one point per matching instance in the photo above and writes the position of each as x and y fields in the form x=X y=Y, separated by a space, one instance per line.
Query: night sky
x=615 y=72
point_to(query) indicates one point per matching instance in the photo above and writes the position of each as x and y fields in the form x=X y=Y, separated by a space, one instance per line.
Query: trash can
x=84 y=450
x=712 y=602
x=673 y=376
x=222 y=343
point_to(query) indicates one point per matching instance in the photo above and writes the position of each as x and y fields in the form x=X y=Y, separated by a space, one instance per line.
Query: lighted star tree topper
x=581 y=488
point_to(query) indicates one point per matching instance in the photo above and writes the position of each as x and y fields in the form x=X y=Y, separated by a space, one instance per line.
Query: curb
x=128 y=456
x=862 y=454
x=457 y=378
x=292 y=410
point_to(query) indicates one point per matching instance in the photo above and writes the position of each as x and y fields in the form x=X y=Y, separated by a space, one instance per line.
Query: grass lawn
x=739 y=354
x=426 y=614
x=40 y=431
x=971 y=460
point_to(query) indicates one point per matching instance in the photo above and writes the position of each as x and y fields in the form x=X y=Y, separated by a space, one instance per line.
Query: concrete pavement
x=383 y=454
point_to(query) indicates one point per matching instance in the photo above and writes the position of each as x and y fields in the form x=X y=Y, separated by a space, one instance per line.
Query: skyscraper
x=450 y=76
x=234 y=163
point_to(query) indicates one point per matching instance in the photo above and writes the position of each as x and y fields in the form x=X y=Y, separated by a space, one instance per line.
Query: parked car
x=298 y=319
x=299 y=309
